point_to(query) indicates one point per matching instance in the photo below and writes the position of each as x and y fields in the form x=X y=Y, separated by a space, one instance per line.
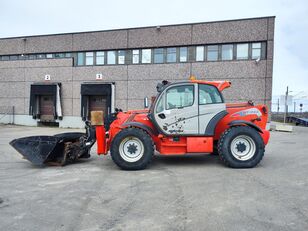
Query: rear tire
x=241 y=147
x=132 y=149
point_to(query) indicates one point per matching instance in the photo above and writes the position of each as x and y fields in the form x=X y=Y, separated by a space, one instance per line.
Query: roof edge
x=134 y=28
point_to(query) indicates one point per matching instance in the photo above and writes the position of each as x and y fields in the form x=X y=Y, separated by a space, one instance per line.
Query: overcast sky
x=35 y=17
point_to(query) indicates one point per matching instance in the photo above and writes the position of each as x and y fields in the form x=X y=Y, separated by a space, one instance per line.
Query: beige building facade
x=59 y=79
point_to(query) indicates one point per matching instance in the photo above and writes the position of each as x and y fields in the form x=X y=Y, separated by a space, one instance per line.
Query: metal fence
x=7 y=114
x=279 y=116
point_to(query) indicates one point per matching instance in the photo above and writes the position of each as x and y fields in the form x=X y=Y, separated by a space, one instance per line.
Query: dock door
x=45 y=102
x=46 y=108
x=96 y=97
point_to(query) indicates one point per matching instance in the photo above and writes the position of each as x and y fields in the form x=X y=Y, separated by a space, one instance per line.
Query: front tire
x=132 y=149
x=241 y=147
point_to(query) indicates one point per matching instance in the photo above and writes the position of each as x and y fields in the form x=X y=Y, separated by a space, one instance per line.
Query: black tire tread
x=130 y=166
x=222 y=155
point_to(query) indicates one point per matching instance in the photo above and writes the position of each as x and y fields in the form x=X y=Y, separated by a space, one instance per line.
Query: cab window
x=180 y=96
x=209 y=94
x=160 y=104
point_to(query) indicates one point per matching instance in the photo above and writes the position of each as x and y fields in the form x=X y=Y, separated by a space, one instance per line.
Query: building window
x=60 y=55
x=89 y=58
x=80 y=59
x=159 y=55
x=146 y=56
x=242 y=51
x=183 y=54
x=212 y=53
x=135 y=56
x=5 y=58
x=68 y=55
x=227 y=52
x=23 y=57
x=100 y=58
x=41 y=56
x=256 y=51
x=200 y=53
x=111 y=57
x=32 y=56
x=171 y=55
x=121 y=57
x=13 y=57
x=49 y=56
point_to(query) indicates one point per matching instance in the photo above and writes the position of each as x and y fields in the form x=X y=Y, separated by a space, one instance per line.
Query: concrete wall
x=250 y=80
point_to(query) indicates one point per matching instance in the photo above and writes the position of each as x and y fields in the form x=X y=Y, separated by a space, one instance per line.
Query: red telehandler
x=186 y=117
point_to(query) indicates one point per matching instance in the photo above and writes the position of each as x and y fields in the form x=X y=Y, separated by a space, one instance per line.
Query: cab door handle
x=162 y=116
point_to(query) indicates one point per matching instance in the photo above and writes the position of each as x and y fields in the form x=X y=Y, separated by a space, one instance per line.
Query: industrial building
x=59 y=79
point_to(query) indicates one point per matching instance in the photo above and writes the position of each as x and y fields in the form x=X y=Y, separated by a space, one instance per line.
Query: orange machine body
x=179 y=145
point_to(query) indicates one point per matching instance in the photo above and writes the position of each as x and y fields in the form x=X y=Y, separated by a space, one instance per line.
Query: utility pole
x=286 y=105
x=294 y=106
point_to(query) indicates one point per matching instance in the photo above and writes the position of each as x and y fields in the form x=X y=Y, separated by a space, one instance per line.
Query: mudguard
x=244 y=122
x=141 y=126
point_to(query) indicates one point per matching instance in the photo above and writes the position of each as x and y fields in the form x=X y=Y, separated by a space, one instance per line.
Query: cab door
x=176 y=111
x=211 y=109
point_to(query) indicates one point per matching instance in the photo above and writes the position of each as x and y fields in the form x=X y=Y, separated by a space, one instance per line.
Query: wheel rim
x=243 y=147
x=131 y=149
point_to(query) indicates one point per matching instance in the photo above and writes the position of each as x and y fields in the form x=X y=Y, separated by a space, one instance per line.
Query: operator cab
x=188 y=108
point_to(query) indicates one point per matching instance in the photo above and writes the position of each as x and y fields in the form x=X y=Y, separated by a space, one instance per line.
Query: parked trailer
x=298 y=121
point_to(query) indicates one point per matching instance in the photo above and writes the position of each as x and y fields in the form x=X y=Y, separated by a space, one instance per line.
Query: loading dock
x=45 y=102
x=96 y=97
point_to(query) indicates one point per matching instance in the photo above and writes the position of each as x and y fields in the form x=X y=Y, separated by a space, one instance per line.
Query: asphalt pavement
x=195 y=192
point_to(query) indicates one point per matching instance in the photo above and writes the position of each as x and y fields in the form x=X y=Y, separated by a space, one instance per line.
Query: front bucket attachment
x=57 y=149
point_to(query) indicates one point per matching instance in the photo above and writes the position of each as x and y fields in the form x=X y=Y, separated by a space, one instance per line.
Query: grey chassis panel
x=210 y=128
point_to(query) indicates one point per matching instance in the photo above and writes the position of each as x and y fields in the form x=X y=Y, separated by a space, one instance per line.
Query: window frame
x=236 y=55
x=207 y=53
x=203 y=53
x=59 y=55
x=89 y=56
x=100 y=56
x=49 y=56
x=259 y=49
x=162 y=98
x=220 y=94
x=139 y=56
x=162 y=54
x=115 y=57
x=118 y=57
x=82 y=54
x=174 y=53
x=186 y=58
x=151 y=53
x=166 y=93
x=232 y=49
